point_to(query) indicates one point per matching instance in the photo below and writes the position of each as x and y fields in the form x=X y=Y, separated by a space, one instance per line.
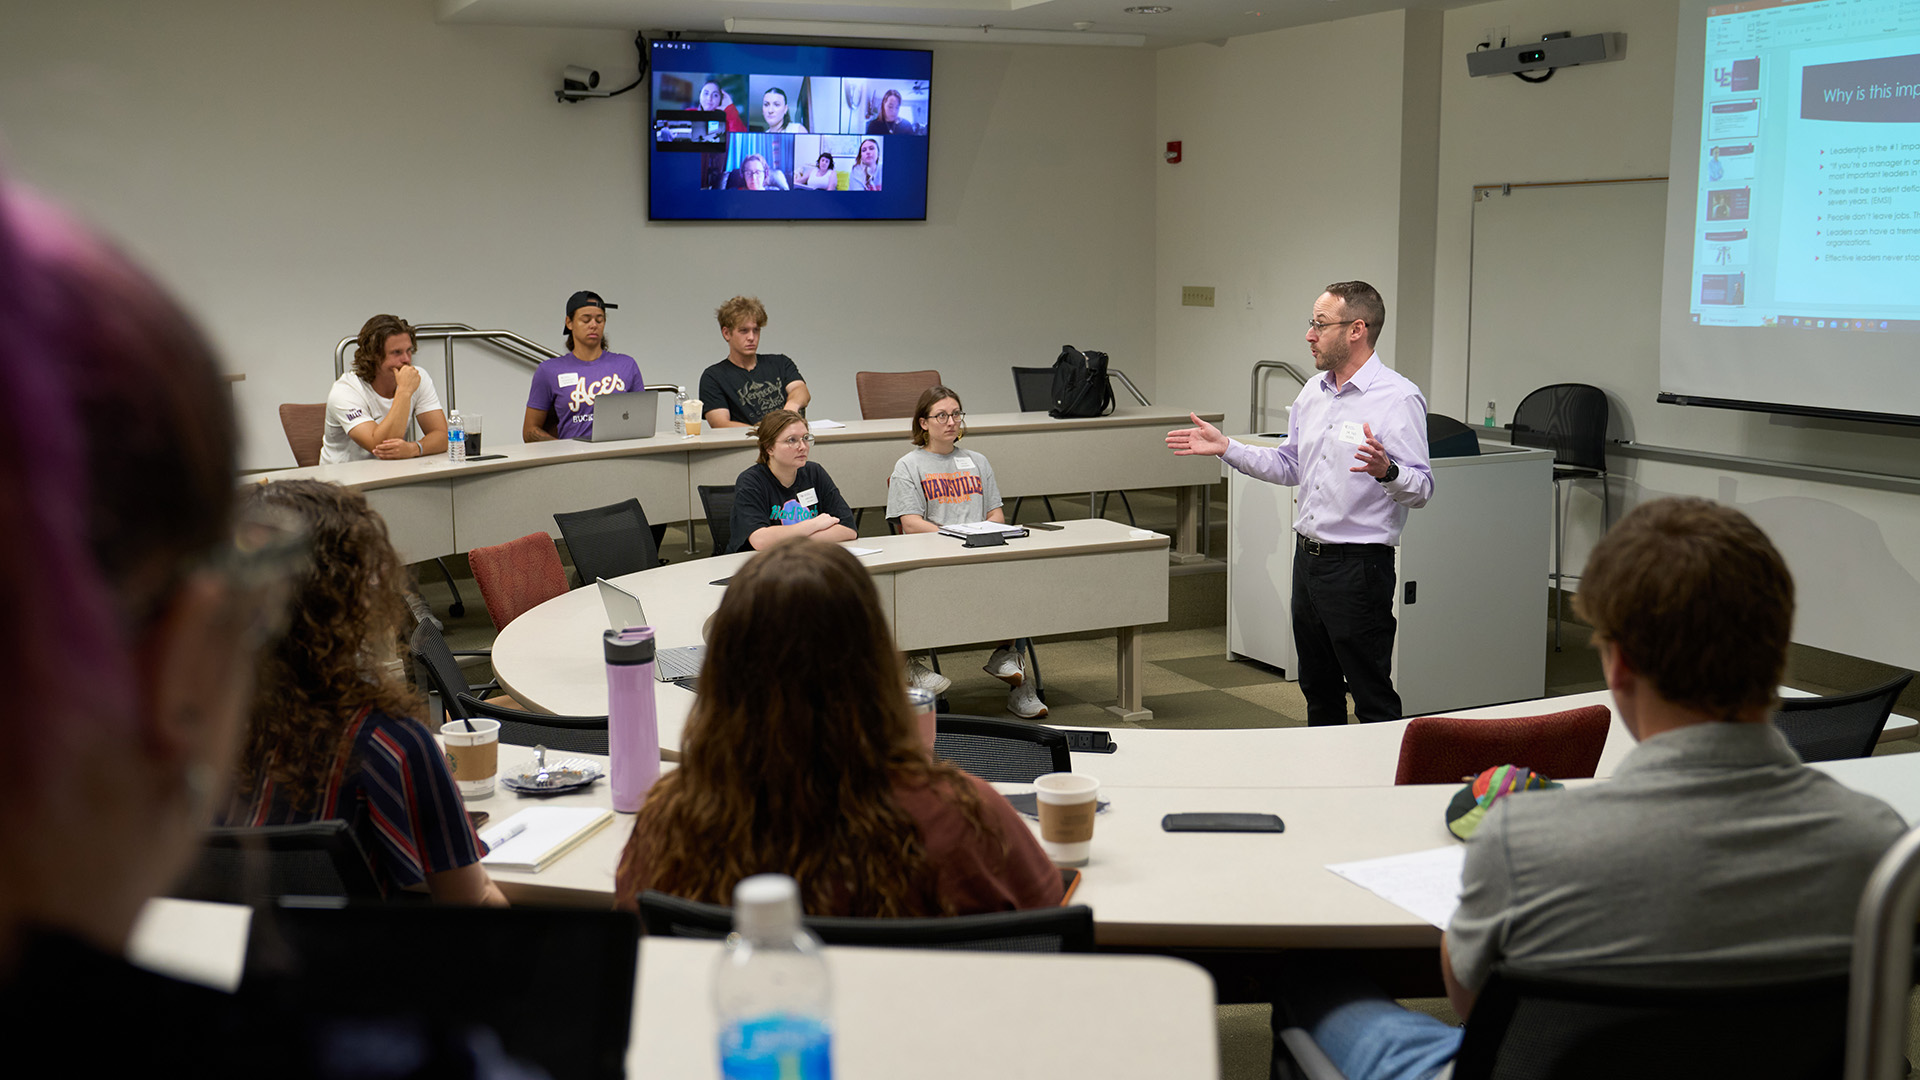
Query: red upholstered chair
x=306 y=427
x=518 y=575
x=1562 y=745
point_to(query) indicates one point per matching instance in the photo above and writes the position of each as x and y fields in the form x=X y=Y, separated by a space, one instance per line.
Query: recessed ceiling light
x=1147 y=9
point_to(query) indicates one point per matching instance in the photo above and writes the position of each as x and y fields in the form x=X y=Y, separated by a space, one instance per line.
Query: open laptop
x=624 y=610
x=632 y=415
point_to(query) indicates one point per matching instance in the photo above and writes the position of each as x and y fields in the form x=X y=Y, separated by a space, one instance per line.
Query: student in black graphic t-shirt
x=738 y=391
x=785 y=495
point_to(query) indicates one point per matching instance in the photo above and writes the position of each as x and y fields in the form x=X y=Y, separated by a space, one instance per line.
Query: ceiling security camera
x=578 y=83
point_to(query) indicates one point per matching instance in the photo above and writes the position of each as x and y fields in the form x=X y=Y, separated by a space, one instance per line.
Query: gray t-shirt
x=946 y=489
x=1711 y=851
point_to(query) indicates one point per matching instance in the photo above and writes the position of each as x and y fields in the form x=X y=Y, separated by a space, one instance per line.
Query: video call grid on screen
x=1807 y=215
x=787 y=132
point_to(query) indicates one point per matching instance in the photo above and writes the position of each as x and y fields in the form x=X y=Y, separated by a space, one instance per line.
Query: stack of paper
x=981 y=528
x=536 y=836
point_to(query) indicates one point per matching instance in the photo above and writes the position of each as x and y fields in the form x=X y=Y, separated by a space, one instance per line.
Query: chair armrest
x=1313 y=1062
x=473 y=652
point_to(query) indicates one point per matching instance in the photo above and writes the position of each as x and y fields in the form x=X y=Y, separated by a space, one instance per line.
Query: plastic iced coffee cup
x=1067 y=802
x=473 y=754
x=693 y=415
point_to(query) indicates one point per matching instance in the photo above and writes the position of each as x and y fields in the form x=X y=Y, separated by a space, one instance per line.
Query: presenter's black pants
x=1343 y=630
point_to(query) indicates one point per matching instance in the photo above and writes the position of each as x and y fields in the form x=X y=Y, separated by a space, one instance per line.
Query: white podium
x=1472 y=615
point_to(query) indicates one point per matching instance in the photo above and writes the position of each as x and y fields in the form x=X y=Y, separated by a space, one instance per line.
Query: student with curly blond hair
x=332 y=732
x=801 y=757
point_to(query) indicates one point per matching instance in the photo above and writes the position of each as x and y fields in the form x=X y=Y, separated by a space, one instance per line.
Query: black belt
x=1342 y=551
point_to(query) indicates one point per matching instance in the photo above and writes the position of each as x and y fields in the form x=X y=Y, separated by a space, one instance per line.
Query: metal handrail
x=1128 y=383
x=514 y=345
x=1259 y=403
x=1883 y=965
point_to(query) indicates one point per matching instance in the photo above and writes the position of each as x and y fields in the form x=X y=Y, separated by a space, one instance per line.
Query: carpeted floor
x=1190 y=683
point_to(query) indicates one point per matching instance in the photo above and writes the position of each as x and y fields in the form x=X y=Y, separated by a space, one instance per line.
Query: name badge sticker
x=963 y=463
x=807 y=498
x=1352 y=431
x=568 y=378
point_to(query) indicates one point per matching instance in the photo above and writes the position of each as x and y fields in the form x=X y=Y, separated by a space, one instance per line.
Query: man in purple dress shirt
x=1357 y=448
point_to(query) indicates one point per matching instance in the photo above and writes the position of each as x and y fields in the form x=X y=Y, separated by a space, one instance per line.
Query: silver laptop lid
x=623 y=608
x=632 y=415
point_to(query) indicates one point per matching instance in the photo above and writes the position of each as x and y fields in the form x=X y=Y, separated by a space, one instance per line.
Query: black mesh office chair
x=1034 y=387
x=436 y=667
x=716 y=501
x=1001 y=751
x=1569 y=419
x=1533 y=1027
x=1840 y=726
x=1041 y=930
x=1447 y=437
x=579 y=734
x=608 y=541
x=264 y=864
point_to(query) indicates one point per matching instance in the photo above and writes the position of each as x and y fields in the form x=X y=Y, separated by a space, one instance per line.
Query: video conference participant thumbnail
x=738 y=391
x=560 y=404
x=361 y=420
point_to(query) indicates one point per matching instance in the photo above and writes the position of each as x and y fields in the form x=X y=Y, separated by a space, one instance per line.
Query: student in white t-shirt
x=936 y=484
x=361 y=420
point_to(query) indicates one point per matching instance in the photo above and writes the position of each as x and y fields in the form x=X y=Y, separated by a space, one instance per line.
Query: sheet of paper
x=1426 y=883
x=858 y=552
x=824 y=425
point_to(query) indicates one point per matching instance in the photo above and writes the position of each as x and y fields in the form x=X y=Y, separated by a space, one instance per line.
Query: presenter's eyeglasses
x=797 y=441
x=1318 y=327
x=947 y=417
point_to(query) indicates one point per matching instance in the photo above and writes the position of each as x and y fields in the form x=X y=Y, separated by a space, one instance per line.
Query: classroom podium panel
x=419 y=519
x=1475 y=631
x=492 y=508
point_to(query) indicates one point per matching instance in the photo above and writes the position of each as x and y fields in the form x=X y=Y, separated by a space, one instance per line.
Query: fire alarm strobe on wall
x=1554 y=52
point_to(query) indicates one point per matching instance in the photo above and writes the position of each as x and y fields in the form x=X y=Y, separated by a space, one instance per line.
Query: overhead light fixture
x=989 y=34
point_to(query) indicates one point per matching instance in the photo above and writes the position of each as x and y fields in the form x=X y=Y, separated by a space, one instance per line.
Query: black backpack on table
x=1080 y=384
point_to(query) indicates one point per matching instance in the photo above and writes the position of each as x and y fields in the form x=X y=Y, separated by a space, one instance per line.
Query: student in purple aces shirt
x=560 y=406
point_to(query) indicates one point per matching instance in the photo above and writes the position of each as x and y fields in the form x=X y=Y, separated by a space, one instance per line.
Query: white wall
x=291 y=169
x=1291 y=179
x=1854 y=552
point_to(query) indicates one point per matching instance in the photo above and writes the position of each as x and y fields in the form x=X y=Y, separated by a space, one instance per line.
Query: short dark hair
x=371 y=348
x=1697 y=600
x=1362 y=302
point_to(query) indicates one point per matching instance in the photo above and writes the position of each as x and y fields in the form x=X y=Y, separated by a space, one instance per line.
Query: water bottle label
x=776 y=1048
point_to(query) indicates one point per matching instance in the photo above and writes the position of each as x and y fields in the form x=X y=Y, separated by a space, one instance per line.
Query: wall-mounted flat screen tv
x=754 y=132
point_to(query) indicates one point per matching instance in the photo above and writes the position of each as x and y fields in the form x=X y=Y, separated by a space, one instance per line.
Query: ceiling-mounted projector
x=1554 y=52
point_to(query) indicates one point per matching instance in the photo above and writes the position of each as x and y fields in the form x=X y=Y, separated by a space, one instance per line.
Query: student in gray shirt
x=936 y=484
x=1712 y=855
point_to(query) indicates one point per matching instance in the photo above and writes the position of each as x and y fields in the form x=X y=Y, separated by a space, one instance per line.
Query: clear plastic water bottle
x=771 y=991
x=456 y=437
x=1489 y=414
x=680 y=412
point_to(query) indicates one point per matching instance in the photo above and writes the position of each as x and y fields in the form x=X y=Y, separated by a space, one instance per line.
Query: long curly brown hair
x=348 y=616
x=791 y=754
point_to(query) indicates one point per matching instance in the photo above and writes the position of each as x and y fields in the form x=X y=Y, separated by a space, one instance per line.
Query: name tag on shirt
x=807 y=498
x=568 y=378
x=1352 y=432
x=963 y=463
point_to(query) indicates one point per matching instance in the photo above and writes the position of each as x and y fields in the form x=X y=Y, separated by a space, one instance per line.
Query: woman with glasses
x=822 y=774
x=333 y=733
x=786 y=495
x=936 y=484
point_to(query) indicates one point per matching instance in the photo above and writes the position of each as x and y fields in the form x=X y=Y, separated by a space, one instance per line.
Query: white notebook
x=540 y=834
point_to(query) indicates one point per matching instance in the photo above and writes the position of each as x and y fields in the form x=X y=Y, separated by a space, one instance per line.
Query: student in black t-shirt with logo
x=786 y=495
x=738 y=391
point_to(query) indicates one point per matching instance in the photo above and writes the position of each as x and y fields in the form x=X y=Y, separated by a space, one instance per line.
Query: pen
x=505 y=833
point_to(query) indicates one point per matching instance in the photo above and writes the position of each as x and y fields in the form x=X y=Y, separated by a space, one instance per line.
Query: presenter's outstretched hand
x=1372 y=456
x=1202 y=438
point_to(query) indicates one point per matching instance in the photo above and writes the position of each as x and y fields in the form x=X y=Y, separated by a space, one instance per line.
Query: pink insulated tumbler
x=633 y=723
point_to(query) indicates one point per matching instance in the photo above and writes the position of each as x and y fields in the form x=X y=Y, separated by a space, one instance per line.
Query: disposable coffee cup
x=1067 y=803
x=475 y=423
x=692 y=415
x=473 y=754
x=923 y=703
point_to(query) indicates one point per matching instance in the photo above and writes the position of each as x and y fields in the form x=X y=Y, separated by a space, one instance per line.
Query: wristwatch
x=1393 y=473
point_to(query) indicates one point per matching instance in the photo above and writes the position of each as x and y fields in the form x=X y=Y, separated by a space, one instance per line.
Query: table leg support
x=1186 y=533
x=1129 y=662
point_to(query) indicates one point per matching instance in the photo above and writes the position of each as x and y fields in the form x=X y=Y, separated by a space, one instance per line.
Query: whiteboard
x=1566 y=288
